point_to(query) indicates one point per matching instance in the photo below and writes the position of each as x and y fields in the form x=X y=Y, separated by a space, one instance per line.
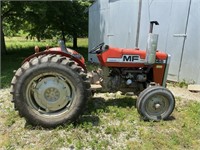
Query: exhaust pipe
x=152 y=43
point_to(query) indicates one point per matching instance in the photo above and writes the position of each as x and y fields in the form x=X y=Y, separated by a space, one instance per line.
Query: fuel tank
x=70 y=51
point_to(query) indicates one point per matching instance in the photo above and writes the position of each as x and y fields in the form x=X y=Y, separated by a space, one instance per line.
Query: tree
x=64 y=18
x=45 y=19
x=79 y=25
x=37 y=20
x=70 y=19
x=10 y=14
x=3 y=45
x=60 y=17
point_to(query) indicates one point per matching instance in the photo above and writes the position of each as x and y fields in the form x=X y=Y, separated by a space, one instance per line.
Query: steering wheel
x=97 y=49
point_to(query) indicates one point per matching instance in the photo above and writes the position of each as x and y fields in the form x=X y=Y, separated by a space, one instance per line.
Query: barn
x=125 y=23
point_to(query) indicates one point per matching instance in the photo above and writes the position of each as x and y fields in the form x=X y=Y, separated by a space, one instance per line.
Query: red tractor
x=51 y=88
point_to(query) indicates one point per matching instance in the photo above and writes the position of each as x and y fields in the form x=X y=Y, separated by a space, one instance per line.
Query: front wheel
x=50 y=90
x=155 y=103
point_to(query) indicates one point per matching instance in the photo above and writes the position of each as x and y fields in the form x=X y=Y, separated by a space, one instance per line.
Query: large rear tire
x=50 y=90
x=155 y=103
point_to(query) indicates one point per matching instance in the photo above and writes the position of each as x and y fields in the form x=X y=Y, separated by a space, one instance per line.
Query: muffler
x=152 y=43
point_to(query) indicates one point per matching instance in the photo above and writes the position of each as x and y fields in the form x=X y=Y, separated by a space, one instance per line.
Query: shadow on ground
x=99 y=104
x=96 y=106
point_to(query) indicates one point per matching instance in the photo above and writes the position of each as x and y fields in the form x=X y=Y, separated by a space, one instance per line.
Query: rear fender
x=81 y=61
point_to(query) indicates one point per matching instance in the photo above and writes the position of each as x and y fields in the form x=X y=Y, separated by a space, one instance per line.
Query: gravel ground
x=184 y=94
x=181 y=93
x=10 y=130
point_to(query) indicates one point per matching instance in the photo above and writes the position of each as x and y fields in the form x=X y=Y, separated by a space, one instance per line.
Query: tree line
x=44 y=19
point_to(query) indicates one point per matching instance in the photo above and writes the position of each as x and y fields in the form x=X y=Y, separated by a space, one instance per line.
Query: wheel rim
x=157 y=105
x=50 y=94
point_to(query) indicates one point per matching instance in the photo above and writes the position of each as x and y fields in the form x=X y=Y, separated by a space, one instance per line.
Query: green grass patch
x=107 y=123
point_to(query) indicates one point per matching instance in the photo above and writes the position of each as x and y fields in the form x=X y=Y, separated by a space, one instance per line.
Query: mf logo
x=127 y=58
x=130 y=58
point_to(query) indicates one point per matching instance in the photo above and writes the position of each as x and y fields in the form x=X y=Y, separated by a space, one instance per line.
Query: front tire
x=155 y=103
x=50 y=90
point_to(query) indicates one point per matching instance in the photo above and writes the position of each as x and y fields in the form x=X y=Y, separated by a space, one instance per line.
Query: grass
x=181 y=84
x=110 y=121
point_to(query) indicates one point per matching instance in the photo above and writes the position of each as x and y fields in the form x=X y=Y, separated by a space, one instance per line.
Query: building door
x=173 y=17
x=190 y=66
x=177 y=36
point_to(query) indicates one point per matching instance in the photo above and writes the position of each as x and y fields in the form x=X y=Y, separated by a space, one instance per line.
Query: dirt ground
x=184 y=93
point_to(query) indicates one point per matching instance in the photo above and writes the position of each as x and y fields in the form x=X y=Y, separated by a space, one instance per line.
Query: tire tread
x=59 y=60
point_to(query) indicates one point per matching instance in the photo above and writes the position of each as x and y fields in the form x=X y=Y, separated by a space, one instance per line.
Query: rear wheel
x=155 y=103
x=50 y=90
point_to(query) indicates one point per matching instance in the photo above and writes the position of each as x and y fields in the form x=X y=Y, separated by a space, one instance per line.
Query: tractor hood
x=120 y=57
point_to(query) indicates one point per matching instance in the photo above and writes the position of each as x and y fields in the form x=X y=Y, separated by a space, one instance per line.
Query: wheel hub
x=157 y=105
x=52 y=93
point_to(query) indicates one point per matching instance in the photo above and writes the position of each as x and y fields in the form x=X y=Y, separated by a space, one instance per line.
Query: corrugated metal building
x=125 y=23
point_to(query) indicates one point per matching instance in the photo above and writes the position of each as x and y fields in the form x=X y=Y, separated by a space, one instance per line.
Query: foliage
x=10 y=20
x=45 y=19
x=12 y=16
x=181 y=84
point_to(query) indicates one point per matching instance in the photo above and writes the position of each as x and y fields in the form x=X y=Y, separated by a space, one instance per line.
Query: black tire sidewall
x=143 y=100
x=36 y=118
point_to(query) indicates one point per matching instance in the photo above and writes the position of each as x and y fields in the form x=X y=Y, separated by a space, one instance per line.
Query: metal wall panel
x=123 y=23
x=113 y=22
x=98 y=25
x=177 y=26
x=172 y=16
x=190 y=68
x=157 y=10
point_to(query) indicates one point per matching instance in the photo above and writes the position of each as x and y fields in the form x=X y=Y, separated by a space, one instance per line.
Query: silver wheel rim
x=157 y=105
x=50 y=94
